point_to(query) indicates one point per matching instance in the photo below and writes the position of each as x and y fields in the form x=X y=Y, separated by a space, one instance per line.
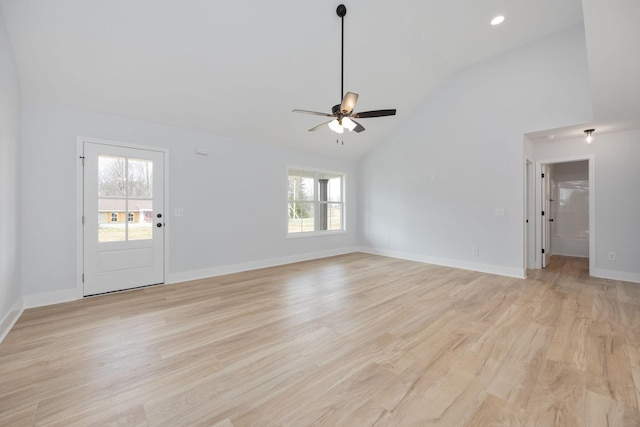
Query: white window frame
x=317 y=174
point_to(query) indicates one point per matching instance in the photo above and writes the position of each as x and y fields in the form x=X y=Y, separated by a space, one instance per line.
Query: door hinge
x=82 y=277
x=542 y=173
x=542 y=213
x=82 y=157
x=82 y=219
x=542 y=250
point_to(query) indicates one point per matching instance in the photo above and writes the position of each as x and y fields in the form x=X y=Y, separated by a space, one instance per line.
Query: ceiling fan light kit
x=342 y=113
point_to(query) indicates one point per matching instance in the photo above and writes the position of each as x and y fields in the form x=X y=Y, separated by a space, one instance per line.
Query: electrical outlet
x=475 y=250
x=612 y=256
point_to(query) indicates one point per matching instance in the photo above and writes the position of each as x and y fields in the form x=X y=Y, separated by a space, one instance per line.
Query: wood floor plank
x=569 y=343
x=557 y=398
x=354 y=340
x=609 y=370
x=518 y=374
x=495 y=412
x=603 y=411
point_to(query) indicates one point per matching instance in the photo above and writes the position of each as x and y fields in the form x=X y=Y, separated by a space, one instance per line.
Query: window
x=129 y=216
x=114 y=217
x=316 y=201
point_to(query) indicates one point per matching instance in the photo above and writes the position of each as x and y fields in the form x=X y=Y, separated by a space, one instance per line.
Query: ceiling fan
x=343 y=115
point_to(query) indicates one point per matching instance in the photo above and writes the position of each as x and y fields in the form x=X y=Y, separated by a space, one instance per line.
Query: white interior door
x=530 y=216
x=123 y=215
x=546 y=209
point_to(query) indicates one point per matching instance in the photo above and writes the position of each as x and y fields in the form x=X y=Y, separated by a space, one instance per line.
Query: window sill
x=315 y=234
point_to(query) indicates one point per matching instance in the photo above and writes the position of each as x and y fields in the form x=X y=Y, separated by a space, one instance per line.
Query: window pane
x=334 y=189
x=301 y=217
x=111 y=176
x=140 y=179
x=334 y=214
x=140 y=208
x=300 y=188
x=141 y=225
x=112 y=220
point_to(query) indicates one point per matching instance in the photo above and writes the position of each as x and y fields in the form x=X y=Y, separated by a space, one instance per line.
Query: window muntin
x=315 y=201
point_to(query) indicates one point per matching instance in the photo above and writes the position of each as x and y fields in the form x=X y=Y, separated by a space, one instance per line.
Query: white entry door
x=123 y=217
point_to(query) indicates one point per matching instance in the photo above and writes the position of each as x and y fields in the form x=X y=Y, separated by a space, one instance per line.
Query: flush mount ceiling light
x=589 y=133
x=497 y=20
x=342 y=114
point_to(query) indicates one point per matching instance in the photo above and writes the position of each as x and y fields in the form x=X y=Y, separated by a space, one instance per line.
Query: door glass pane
x=112 y=218
x=140 y=206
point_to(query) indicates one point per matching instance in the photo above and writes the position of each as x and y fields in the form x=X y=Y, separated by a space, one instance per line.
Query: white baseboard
x=624 y=276
x=186 y=276
x=66 y=295
x=10 y=319
x=454 y=263
x=49 y=298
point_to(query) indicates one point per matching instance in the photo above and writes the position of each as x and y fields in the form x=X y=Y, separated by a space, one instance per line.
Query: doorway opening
x=565 y=209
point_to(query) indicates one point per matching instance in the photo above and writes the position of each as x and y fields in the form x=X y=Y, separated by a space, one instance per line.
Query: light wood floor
x=355 y=340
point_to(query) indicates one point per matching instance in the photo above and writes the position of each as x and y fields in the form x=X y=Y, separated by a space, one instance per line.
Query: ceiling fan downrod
x=342 y=11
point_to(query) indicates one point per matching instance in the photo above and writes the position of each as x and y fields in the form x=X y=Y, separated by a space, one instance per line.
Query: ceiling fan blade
x=375 y=113
x=348 y=103
x=319 y=126
x=315 y=113
x=359 y=128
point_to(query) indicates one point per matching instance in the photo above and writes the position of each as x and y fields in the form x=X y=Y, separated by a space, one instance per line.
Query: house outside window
x=315 y=202
x=114 y=217
x=130 y=216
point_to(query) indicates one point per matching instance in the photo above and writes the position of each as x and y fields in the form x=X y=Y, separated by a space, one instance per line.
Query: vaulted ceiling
x=239 y=68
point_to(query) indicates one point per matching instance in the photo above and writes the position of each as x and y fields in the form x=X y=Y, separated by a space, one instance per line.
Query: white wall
x=10 y=290
x=570 y=209
x=617 y=198
x=232 y=199
x=430 y=190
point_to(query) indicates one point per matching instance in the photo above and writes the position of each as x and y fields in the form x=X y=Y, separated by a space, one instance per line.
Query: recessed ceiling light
x=497 y=20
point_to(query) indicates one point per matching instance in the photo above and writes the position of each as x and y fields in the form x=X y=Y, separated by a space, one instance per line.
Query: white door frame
x=529 y=213
x=592 y=204
x=80 y=202
x=545 y=206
